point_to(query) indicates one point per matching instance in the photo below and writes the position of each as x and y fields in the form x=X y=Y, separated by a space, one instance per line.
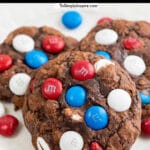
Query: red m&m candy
x=8 y=125
x=82 y=70
x=52 y=88
x=131 y=43
x=103 y=20
x=5 y=62
x=145 y=126
x=53 y=44
x=95 y=146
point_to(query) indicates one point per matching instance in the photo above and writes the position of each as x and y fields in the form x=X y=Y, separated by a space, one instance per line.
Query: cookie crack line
x=116 y=132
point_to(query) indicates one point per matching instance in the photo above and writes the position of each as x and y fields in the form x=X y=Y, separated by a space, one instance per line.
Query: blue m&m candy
x=76 y=96
x=36 y=58
x=71 y=19
x=145 y=98
x=96 y=117
x=104 y=54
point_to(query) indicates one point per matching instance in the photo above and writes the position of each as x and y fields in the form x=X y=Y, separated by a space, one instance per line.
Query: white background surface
x=15 y=15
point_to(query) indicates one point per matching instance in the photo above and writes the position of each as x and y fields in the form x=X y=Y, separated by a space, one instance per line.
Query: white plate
x=16 y=15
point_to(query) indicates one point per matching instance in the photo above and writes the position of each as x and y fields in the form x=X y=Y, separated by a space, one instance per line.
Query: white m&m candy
x=23 y=43
x=102 y=63
x=41 y=144
x=134 y=65
x=19 y=82
x=71 y=140
x=2 y=110
x=119 y=100
x=106 y=37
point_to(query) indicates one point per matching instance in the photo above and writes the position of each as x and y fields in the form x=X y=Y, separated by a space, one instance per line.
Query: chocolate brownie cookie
x=25 y=50
x=85 y=102
x=128 y=43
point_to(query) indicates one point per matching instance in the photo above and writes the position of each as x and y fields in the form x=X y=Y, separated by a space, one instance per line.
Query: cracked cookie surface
x=15 y=48
x=128 y=43
x=68 y=107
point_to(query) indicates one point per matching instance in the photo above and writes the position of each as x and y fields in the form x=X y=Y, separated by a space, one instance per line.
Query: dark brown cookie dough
x=123 y=39
x=57 y=123
x=18 y=57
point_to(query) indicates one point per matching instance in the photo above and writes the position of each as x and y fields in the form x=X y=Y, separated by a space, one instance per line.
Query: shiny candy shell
x=119 y=100
x=131 y=43
x=106 y=36
x=82 y=70
x=41 y=144
x=145 y=98
x=71 y=19
x=8 y=125
x=76 y=100
x=145 y=126
x=23 y=43
x=36 y=58
x=52 y=88
x=5 y=62
x=104 y=54
x=96 y=117
x=19 y=83
x=53 y=44
x=134 y=65
x=95 y=146
x=102 y=63
x=104 y=20
x=71 y=140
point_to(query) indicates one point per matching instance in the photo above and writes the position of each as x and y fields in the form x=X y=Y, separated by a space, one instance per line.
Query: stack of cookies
x=79 y=95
